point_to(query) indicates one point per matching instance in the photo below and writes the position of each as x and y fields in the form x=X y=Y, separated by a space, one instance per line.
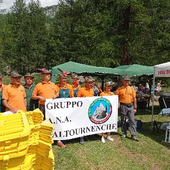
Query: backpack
x=138 y=125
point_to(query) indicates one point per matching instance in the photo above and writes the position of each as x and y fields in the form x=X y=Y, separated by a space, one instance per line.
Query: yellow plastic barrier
x=25 y=142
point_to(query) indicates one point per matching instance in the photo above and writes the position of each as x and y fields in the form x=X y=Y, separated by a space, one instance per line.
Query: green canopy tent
x=131 y=70
x=83 y=69
x=134 y=70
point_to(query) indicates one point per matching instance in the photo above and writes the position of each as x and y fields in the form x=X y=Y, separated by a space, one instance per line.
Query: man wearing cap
x=127 y=98
x=64 y=90
x=14 y=96
x=44 y=90
x=75 y=83
x=86 y=91
x=2 y=86
x=29 y=88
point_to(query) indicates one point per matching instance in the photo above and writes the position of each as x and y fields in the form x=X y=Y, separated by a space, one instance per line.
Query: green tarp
x=134 y=70
x=80 y=69
x=131 y=70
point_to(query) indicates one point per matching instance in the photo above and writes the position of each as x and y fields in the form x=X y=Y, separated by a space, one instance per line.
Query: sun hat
x=109 y=83
x=63 y=75
x=44 y=71
x=74 y=76
x=126 y=77
x=28 y=75
x=15 y=74
x=89 y=79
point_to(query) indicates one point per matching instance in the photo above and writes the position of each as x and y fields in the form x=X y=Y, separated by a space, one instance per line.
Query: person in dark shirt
x=29 y=88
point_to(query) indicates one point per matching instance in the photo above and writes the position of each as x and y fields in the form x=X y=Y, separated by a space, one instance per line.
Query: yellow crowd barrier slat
x=25 y=142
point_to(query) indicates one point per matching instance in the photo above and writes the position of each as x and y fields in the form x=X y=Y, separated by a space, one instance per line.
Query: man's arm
x=71 y=91
x=25 y=102
x=79 y=93
x=5 y=103
x=134 y=104
x=117 y=92
x=35 y=97
x=100 y=90
x=55 y=96
x=134 y=100
x=56 y=92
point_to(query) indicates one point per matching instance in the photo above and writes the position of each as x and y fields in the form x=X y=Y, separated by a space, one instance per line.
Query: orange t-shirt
x=106 y=93
x=76 y=88
x=3 y=85
x=46 y=90
x=65 y=87
x=126 y=94
x=14 y=96
x=83 y=92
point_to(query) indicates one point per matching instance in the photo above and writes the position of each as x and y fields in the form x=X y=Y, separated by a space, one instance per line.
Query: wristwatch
x=135 y=108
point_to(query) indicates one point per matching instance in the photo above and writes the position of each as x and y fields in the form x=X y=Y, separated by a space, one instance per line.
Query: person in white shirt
x=159 y=86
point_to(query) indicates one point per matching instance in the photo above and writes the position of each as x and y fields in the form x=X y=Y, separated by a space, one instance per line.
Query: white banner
x=162 y=72
x=76 y=117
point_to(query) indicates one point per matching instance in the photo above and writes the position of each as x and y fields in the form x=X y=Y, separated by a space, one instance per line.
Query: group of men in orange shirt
x=14 y=96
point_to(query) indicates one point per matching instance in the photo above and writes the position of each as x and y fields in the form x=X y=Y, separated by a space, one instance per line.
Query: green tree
x=27 y=49
x=113 y=32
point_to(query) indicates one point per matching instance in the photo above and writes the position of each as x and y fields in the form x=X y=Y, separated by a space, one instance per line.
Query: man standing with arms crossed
x=29 y=88
x=127 y=98
x=14 y=96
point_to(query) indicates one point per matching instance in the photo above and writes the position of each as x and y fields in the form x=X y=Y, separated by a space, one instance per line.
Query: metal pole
x=153 y=103
x=102 y=77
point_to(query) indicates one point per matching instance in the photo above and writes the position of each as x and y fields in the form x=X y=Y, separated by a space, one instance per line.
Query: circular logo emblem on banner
x=100 y=110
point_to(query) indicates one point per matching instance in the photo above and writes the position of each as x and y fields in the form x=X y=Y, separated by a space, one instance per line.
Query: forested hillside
x=50 y=11
x=99 y=32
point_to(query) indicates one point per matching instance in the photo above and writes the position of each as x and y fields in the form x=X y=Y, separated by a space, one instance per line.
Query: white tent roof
x=162 y=70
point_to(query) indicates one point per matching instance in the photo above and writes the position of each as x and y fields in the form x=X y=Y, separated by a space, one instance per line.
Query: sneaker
x=124 y=136
x=61 y=144
x=135 y=138
x=86 y=138
x=82 y=140
x=102 y=140
x=109 y=138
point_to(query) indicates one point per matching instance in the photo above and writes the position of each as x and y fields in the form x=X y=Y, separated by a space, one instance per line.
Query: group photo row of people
x=15 y=97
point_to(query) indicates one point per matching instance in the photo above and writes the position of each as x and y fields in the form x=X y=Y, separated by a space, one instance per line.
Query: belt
x=127 y=104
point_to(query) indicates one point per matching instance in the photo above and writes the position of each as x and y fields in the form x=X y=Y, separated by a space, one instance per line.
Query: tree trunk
x=126 y=58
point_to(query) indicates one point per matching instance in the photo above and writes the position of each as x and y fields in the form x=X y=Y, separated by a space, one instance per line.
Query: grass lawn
x=124 y=154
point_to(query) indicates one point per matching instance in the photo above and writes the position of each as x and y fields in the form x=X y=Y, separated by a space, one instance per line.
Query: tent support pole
x=102 y=77
x=153 y=103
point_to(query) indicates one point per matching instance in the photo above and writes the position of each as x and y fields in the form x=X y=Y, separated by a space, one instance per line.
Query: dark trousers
x=127 y=110
x=42 y=108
